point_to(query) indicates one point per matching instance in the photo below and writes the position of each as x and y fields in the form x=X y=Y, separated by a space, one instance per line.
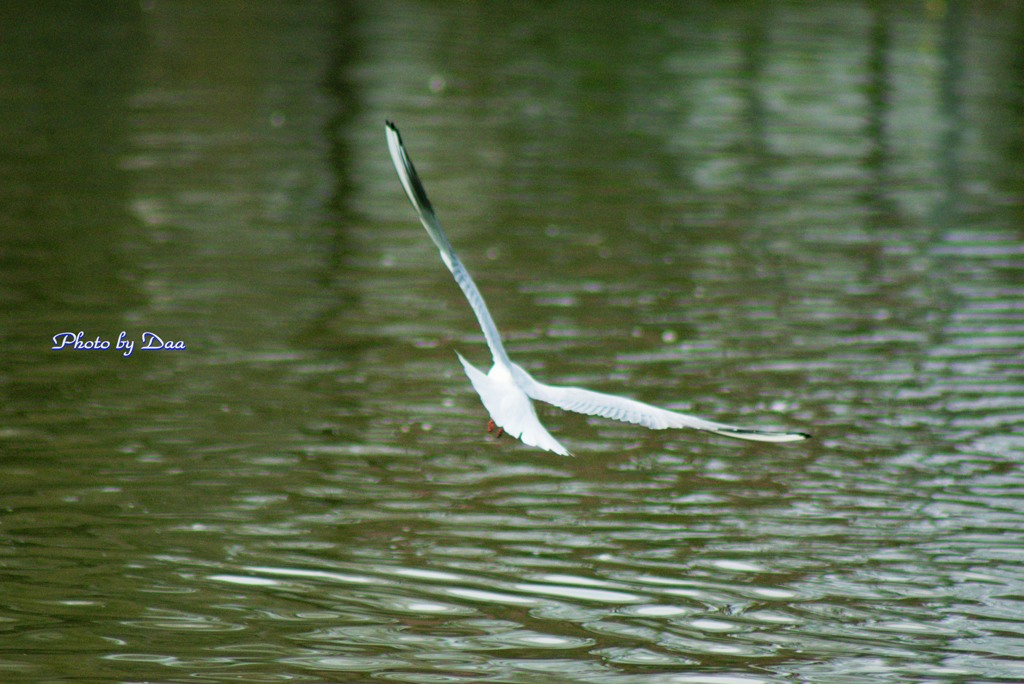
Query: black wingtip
x=748 y=433
x=415 y=184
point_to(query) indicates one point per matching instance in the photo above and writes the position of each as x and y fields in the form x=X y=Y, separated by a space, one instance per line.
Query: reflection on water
x=798 y=216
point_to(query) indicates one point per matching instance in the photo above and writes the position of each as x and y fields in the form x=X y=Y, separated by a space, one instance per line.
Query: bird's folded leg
x=491 y=428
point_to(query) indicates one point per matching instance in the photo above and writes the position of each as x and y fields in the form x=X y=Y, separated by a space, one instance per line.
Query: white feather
x=510 y=407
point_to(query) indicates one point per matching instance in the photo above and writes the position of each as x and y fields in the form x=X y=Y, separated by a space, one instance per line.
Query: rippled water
x=788 y=215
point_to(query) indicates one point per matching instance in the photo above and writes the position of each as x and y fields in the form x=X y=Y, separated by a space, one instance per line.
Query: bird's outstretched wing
x=632 y=411
x=418 y=196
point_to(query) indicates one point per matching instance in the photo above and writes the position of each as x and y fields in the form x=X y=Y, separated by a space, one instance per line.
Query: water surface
x=786 y=215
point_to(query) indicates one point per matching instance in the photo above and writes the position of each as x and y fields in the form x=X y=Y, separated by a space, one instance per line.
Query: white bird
x=507 y=390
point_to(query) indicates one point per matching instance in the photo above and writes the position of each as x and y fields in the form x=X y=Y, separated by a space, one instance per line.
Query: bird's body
x=507 y=391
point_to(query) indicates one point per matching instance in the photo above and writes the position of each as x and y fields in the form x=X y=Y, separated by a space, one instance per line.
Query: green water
x=805 y=216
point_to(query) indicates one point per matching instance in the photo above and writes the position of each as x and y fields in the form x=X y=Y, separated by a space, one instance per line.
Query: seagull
x=507 y=391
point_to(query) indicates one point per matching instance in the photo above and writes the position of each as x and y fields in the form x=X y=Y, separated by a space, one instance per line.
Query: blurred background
x=787 y=214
